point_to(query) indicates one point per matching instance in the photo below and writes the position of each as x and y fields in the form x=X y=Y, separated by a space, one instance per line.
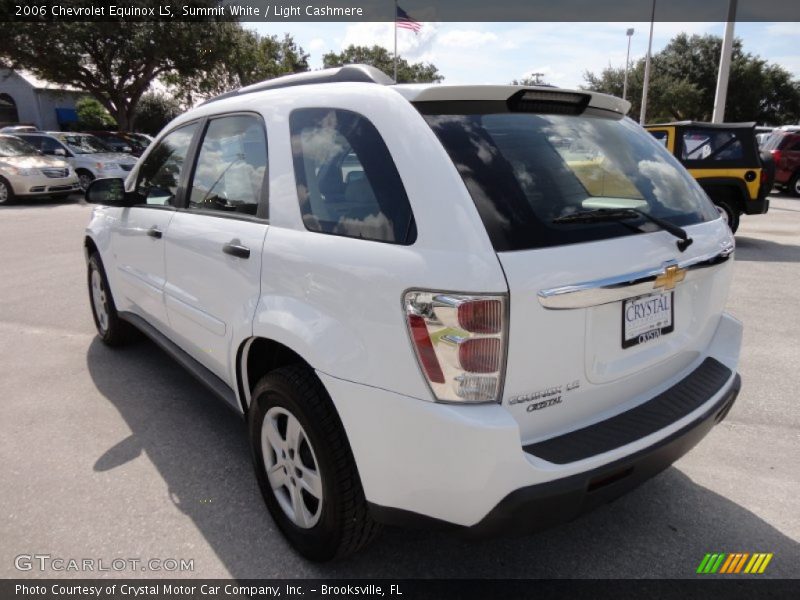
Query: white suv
x=479 y=307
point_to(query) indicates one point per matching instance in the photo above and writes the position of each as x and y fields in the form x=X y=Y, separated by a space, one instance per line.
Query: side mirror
x=110 y=192
x=59 y=152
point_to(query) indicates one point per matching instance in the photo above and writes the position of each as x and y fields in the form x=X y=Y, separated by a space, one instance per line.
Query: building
x=28 y=100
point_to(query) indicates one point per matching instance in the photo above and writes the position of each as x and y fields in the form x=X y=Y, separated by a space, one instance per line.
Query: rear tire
x=729 y=214
x=111 y=330
x=6 y=192
x=313 y=490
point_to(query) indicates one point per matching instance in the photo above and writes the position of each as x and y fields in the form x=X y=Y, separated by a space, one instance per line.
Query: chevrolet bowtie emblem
x=672 y=274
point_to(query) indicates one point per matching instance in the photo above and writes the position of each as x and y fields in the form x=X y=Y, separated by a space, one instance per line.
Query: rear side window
x=526 y=172
x=710 y=145
x=347 y=182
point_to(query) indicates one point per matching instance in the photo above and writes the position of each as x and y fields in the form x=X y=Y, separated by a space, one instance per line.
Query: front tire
x=111 y=330
x=85 y=178
x=6 y=192
x=305 y=467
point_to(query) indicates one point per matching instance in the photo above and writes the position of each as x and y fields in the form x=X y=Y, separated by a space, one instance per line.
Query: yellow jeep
x=725 y=160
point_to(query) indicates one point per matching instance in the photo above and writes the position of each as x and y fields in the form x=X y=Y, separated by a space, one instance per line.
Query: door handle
x=235 y=248
x=155 y=232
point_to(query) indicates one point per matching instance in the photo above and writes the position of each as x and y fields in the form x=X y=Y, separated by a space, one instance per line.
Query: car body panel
x=337 y=302
x=210 y=316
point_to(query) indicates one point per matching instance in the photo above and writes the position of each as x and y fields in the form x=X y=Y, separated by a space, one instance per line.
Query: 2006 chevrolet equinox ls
x=479 y=307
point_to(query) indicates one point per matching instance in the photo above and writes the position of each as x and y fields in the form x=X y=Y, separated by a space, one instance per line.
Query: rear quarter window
x=347 y=182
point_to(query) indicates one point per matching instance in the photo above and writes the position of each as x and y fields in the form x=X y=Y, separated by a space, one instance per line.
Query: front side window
x=528 y=172
x=159 y=174
x=231 y=165
x=347 y=182
x=47 y=145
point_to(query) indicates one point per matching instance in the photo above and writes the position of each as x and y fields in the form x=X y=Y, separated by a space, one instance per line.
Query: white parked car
x=25 y=173
x=88 y=156
x=426 y=308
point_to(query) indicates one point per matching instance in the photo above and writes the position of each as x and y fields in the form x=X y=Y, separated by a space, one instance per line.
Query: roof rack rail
x=359 y=73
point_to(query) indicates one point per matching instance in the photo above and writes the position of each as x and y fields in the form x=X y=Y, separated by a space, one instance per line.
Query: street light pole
x=646 y=84
x=629 y=33
x=721 y=95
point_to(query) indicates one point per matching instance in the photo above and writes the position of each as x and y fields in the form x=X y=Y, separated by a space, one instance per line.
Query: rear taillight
x=460 y=343
x=776 y=156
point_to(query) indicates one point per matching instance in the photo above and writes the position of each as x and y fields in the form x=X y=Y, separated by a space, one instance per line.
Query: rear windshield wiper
x=599 y=215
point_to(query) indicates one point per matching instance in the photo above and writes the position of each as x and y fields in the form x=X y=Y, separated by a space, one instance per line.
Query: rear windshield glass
x=524 y=171
x=773 y=141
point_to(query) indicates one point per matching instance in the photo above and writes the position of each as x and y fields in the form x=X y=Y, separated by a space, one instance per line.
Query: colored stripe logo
x=737 y=562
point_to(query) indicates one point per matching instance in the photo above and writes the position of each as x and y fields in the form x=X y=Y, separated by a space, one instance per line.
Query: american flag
x=406 y=22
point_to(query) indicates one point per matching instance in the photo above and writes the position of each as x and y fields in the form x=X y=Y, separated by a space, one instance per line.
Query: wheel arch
x=89 y=247
x=726 y=188
x=257 y=356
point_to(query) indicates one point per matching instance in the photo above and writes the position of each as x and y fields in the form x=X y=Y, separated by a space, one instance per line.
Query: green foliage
x=381 y=58
x=116 y=62
x=249 y=58
x=154 y=111
x=92 y=115
x=531 y=80
x=683 y=79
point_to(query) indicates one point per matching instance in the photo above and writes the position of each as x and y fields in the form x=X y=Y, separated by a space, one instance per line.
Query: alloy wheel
x=99 y=301
x=292 y=467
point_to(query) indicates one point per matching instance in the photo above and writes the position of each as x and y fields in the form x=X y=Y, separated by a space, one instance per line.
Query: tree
x=249 y=58
x=531 y=80
x=683 y=81
x=92 y=115
x=380 y=58
x=154 y=111
x=115 y=62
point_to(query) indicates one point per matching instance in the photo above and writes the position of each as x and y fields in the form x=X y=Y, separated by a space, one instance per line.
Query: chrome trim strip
x=630 y=285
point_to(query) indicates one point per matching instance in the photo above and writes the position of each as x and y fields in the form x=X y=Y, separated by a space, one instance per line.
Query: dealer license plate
x=647 y=318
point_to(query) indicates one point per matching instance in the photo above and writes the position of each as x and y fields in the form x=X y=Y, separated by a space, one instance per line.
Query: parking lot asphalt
x=109 y=454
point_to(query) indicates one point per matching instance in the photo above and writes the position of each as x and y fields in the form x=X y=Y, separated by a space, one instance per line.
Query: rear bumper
x=541 y=506
x=467 y=468
x=756 y=207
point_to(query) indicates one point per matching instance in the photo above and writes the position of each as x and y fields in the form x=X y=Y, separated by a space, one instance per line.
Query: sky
x=467 y=53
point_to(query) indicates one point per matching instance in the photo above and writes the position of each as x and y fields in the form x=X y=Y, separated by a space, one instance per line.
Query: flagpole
x=395 y=41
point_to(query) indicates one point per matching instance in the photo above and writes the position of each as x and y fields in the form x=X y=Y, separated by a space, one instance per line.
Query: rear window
x=773 y=141
x=526 y=170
